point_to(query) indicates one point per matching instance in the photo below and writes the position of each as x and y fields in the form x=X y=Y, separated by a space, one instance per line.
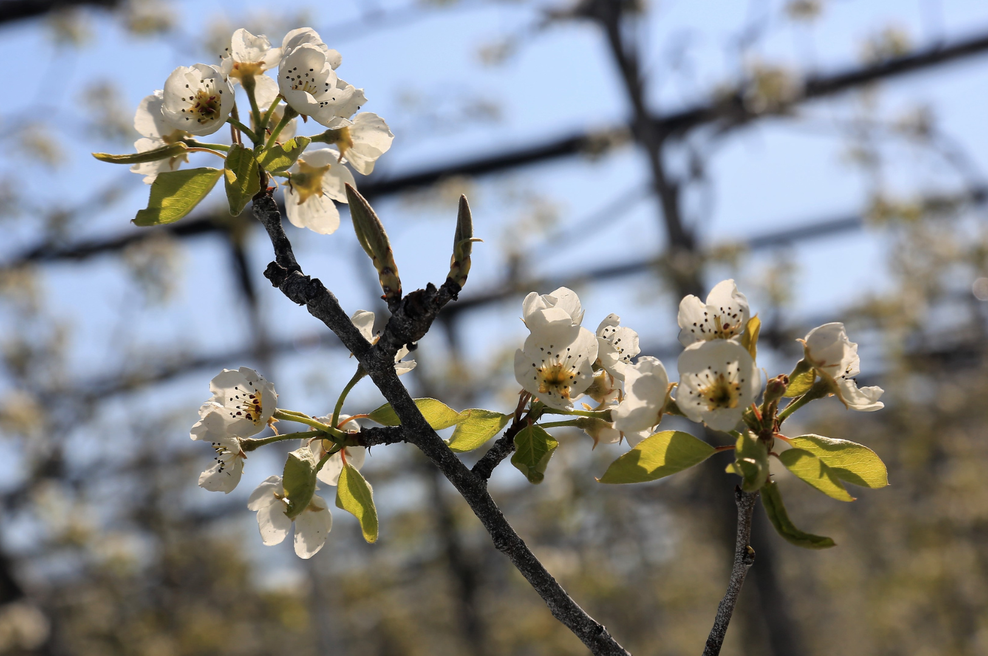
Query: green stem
x=818 y=391
x=255 y=113
x=243 y=128
x=289 y=115
x=268 y=114
x=559 y=424
x=250 y=444
x=192 y=143
x=289 y=415
x=360 y=373
x=322 y=461
x=596 y=414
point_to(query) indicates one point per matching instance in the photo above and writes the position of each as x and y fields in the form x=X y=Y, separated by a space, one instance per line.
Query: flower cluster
x=198 y=100
x=719 y=381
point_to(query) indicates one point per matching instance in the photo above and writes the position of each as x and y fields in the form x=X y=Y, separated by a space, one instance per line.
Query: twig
x=744 y=558
x=409 y=323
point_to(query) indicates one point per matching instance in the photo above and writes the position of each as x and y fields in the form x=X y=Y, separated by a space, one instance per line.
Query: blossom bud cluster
x=198 y=100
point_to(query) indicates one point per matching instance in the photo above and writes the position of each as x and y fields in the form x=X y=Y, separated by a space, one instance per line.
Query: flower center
x=308 y=180
x=205 y=105
x=720 y=391
x=246 y=403
x=556 y=378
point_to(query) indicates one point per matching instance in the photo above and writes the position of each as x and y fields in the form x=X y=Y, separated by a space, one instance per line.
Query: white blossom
x=561 y=307
x=155 y=133
x=248 y=55
x=311 y=526
x=364 y=141
x=308 y=80
x=646 y=385
x=317 y=179
x=225 y=475
x=717 y=381
x=616 y=344
x=364 y=321
x=723 y=316
x=197 y=99
x=243 y=402
x=835 y=359
x=555 y=364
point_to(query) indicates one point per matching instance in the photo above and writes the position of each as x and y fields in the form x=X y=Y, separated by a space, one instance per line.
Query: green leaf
x=242 y=179
x=777 y=514
x=658 y=456
x=355 y=495
x=533 y=448
x=852 y=463
x=299 y=480
x=749 y=339
x=814 y=471
x=476 y=426
x=176 y=149
x=175 y=193
x=281 y=156
x=438 y=414
x=751 y=462
x=800 y=380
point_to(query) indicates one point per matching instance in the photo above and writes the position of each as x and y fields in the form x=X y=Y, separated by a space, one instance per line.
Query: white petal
x=148 y=120
x=264 y=494
x=645 y=386
x=616 y=345
x=364 y=321
x=224 y=475
x=273 y=523
x=371 y=138
x=312 y=527
x=864 y=399
x=265 y=91
x=557 y=370
x=317 y=213
x=691 y=320
x=718 y=379
x=334 y=182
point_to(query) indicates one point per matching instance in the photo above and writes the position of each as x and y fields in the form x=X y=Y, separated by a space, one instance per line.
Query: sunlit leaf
x=355 y=495
x=533 y=449
x=658 y=456
x=751 y=462
x=749 y=339
x=476 y=426
x=176 y=193
x=852 y=463
x=281 y=156
x=242 y=179
x=813 y=470
x=299 y=480
x=438 y=414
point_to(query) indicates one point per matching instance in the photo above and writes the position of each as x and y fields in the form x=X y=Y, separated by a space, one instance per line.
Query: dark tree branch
x=411 y=320
x=744 y=558
x=14 y=10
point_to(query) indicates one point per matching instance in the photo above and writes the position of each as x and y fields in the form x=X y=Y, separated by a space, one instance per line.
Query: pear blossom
x=248 y=55
x=723 y=316
x=718 y=379
x=243 y=402
x=602 y=432
x=333 y=467
x=561 y=307
x=156 y=133
x=617 y=344
x=555 y=364
x=364 y=321
x=835 y=359
x=317 y=179
x=225 y=475
x=605 y=388
x=646 y=385
x=308 y=80
x=311 y=526
x=266 y=93
x=197 y=99
x=364 y=141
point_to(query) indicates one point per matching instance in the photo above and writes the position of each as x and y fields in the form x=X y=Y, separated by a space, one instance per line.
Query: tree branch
x=411 y=320
x=744 y=558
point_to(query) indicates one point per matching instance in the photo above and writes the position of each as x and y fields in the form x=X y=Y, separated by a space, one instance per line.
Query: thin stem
x=243 y=128
x=360 y=373
x=818 y=391
x=288 y=415
x=268 y=114
x=744 y=558
x=596 y=414
x=192 y=143
x=249 y=83
x=289 y=115
x=560 y=424
x=250 y=444
x=205 y=150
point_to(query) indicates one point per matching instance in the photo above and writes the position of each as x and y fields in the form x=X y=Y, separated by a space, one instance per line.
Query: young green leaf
x=176 y=149
x=438 y=414
x=800 y=380
x=852 y=463
x=751 y=462
x=175 y=193
x=299 y=480
x=242 y=178
x=749 y=339
x=356 y=496
x=777 y=514
x=281 y=156
x=533 y=448
x=814 y=471
x=658 y=456
x=476 y=426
